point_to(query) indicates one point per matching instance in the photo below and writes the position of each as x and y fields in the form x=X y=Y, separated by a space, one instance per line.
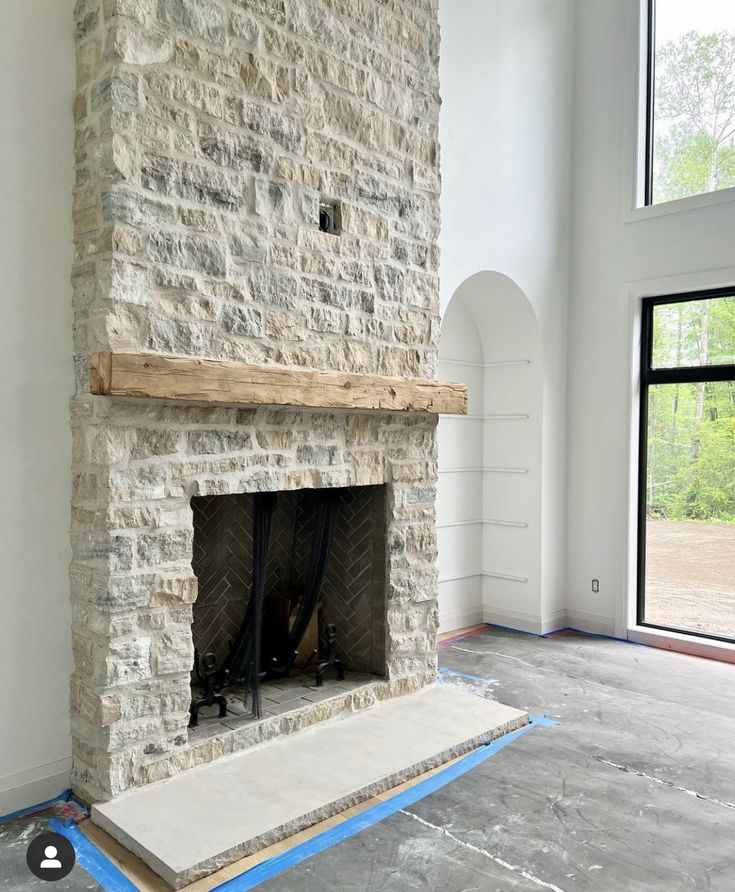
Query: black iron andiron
x=208 y=677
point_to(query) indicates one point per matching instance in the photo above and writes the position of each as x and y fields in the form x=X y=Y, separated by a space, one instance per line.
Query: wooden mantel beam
x=143 y=375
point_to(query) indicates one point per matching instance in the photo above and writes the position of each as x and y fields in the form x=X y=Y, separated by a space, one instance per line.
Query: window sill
x=680 y=205
x=688 y=644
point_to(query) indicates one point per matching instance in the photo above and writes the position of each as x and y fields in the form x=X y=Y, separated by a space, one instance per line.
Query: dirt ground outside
x=690 y=576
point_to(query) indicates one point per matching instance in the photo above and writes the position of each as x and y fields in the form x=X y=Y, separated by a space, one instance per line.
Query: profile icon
x=51 y=861
x=50 y=856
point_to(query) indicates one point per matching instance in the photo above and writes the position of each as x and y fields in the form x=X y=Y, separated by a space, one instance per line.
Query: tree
x=695 y=115
x=691 y=427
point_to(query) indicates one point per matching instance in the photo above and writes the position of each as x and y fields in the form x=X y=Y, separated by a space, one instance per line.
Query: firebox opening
x=291 y=601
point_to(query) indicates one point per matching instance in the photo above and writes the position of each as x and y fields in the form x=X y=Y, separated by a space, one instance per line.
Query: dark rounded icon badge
x=50 y=856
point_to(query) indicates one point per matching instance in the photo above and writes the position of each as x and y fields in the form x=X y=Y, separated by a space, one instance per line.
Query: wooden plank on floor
x=470 y=630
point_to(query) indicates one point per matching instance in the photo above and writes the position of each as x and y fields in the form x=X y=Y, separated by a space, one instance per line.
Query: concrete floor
x=634 y=791
x=15 y=837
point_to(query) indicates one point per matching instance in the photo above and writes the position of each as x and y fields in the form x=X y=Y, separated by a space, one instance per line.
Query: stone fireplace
x=213 y=136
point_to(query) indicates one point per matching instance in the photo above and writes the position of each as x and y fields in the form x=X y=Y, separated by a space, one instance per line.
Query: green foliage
x=695 y=116
x=691 y=164
x=691 y=455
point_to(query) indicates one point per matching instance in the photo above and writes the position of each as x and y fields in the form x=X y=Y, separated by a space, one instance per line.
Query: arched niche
x=490 y=487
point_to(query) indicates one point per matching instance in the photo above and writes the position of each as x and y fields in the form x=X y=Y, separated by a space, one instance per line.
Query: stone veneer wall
x=208 y=131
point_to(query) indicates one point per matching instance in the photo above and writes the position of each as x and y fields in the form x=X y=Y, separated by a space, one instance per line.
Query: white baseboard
x=531 y=623
x=453 y=620
x=28 y=788
x=554 y=622
x=591 y=623
x=534 y=624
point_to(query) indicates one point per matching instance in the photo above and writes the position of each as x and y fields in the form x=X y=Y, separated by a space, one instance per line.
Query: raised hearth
x=188 y=827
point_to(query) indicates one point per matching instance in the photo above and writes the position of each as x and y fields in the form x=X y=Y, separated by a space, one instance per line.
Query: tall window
x=687 y=474
x=691 y=98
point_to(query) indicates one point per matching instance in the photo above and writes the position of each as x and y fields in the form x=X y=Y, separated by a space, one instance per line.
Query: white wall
x=459 y=495
x=36 y=381
x=506 y=134
x=618 y=257
x=490 y=462
x=507 y=128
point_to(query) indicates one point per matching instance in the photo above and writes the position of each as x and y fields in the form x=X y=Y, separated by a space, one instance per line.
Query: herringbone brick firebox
x=353 y=593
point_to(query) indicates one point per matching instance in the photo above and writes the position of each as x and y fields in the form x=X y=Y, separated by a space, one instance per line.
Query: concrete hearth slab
x=191 y=825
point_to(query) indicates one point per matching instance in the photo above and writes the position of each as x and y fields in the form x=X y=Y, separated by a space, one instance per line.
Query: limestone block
x=318 y=455
x=236 y=152
x=275 y=440
x=138 y=483
x=271 y=10
x=86 y=16
x=187 y=251
x=137 y=46
x=245 y=28
x=274 y=287
x=123 y=661
x=103 y=549
x=172 y=652
x=246 y=248
x=264 y=79
x=123 y=205
x=179 y=337
x=150 y=442
x=89 y=53
x=174 y=589
x=241 y=320
x=218 y=190
x=275 y=42
x=164 y=547
x=217 y=442
x=197 y=17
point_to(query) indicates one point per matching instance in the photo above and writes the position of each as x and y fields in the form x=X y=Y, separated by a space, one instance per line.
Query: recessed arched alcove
x=490 y=495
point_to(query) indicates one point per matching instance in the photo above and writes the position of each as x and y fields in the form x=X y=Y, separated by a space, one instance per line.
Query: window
x=686 y=566
x=690 y=139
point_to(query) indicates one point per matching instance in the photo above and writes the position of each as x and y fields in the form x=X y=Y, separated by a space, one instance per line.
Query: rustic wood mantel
x=194 y=380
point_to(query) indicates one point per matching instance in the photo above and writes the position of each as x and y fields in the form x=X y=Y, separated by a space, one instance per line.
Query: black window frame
x=650 y=377
x=650 y=102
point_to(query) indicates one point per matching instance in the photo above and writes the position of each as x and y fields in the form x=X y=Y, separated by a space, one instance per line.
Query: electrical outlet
x=595 y=585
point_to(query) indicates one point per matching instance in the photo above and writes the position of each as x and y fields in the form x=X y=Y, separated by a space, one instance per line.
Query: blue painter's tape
x=467 y=677
x=492 y=626
x=268 y=869
x=545 y=722
x=64 y=796
x=91 y=859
